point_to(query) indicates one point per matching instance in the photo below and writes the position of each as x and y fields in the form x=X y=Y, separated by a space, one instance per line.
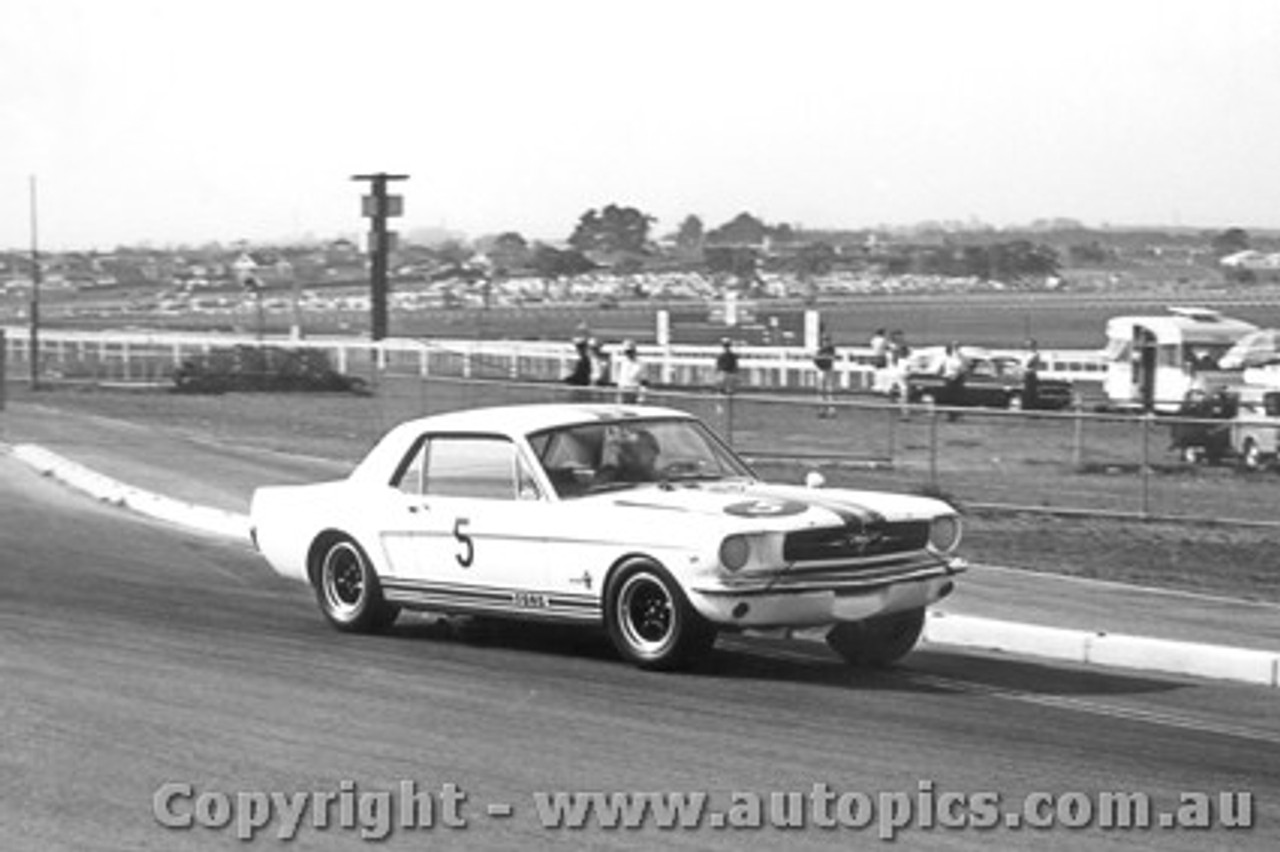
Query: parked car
x=990 y=380
x=262 y=368
x=1255 y=427
x=1202 y=428
x=636 y=519
x=1240 y=423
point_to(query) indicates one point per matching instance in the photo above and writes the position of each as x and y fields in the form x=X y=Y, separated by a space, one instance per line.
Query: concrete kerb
x=1165 y=656
x=190 y=515
x=1116 y=650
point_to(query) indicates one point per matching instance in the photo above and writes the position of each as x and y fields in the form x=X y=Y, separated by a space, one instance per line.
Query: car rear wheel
x=651 y=622
x=879 y=641
x=348 y=590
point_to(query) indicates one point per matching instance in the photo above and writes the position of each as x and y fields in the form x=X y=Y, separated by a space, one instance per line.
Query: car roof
x=535 y=417
x=1182 y=324
x=512 y=421
x=929 y=353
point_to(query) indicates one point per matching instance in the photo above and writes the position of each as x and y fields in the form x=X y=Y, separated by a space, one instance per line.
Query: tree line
x=621 y=238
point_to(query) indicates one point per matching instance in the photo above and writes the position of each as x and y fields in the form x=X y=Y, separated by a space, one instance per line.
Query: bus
x=1153 y=362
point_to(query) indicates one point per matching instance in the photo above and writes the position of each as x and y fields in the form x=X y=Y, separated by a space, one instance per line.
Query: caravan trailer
x=1152 y=362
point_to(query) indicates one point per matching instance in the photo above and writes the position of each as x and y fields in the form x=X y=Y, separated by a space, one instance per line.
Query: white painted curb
x=190 y=515
x=1167 y=656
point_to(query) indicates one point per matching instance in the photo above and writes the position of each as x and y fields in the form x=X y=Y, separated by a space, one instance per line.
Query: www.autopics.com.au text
x=375 y=815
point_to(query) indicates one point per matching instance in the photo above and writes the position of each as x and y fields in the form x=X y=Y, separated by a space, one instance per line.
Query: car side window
x=471 y=466
x=408 y=478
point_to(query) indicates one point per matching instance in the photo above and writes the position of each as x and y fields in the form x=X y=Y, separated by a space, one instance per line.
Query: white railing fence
x=150 y=357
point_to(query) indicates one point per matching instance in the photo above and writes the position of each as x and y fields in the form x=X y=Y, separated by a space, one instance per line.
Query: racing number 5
x=467 y=554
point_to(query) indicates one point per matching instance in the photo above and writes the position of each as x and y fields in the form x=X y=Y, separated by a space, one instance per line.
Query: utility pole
x=379 y=207
x=34 y=336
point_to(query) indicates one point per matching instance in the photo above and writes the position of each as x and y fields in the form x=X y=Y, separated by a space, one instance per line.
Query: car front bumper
x=814 y=598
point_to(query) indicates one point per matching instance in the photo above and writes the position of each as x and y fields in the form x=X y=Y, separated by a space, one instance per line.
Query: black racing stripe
x=850 y=513
x=497 y=594
x=449 y=602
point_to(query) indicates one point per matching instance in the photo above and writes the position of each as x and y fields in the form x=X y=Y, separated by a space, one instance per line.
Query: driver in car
x=634 y=460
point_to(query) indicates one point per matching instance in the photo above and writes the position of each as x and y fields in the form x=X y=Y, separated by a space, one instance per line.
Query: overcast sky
x=195 y=120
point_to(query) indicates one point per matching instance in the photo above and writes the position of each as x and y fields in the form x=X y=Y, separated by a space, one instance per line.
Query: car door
x=469 y=528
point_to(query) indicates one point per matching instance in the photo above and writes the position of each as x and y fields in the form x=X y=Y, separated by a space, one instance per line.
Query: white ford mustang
x=636 y=518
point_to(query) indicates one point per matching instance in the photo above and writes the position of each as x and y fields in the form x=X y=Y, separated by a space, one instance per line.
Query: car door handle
x=414 y=508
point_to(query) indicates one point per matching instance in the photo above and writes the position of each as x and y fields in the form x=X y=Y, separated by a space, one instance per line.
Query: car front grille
x=855 y=541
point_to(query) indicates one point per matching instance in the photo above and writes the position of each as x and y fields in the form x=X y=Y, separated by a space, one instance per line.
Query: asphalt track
x=133 y=654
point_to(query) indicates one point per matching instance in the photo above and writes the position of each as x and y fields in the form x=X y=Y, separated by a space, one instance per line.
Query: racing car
x=638 y=520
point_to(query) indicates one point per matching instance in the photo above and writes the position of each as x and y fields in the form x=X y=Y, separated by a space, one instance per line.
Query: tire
x=651 y=622
x=877 y=642
x=348 y=590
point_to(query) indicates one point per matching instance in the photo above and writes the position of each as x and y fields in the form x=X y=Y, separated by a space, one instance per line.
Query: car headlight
x=734 y=552
x=944 y=533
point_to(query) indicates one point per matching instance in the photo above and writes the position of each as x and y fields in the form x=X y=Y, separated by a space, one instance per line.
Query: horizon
x=440 y=235
x=152 y=123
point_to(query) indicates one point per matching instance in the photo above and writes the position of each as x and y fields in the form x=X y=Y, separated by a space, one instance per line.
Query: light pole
x=246 y=270
x=379 y=206
x=284 y=270
x=34 y=336
x=254 y=286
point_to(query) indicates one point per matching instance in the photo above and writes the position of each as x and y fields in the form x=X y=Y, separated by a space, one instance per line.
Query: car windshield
x=591 y=458
x=998 y=367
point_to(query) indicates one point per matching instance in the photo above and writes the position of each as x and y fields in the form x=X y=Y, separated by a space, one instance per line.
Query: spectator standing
x=580 y=377
x=953 y=370
x=898 y=349
x=727 y=367
x=879 y=349
x=880 y=377
x=897 y=356
x=600 y=366
x=631 y=375
x=1032 y=364
x=825 y=361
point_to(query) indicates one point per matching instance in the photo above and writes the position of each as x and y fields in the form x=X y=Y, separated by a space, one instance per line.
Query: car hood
x=777 y=507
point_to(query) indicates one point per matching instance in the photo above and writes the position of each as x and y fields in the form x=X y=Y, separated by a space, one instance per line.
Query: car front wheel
x=348 y=590
x=651 y=622
x=878 y=641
